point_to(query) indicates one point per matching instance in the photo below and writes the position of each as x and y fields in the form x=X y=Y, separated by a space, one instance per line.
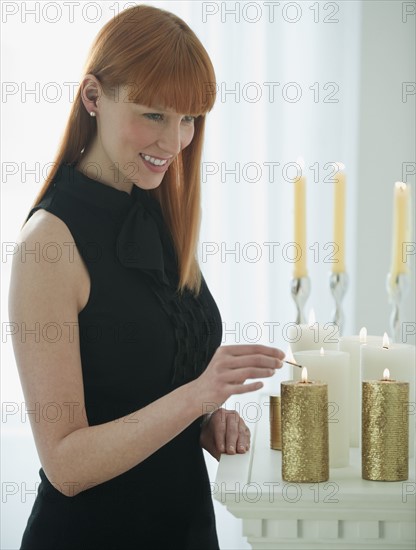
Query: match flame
x=312 y=319
x=386 y=341
x=363 y=335
x=289 y=355
x=386 y=374
x=322 y=351
x=400 y=185
x=304 y=375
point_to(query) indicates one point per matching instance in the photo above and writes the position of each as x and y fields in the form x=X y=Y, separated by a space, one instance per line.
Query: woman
x=128 y=374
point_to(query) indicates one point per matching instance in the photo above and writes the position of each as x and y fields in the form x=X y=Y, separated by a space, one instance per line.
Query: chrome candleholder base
x=338 y=283
x=300 y=289
x=397 y=288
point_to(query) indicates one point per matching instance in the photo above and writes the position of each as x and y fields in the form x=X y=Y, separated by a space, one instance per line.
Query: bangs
x=179 y=77
x=162 y=63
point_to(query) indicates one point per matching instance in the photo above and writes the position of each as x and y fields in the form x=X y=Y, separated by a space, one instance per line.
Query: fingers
x=239 y=376
x=245 y=388
x=220 y=429
x=256 y=361
x=239 y=368
x=255 y=349
x=231 y=366
x=243 y=441
x=231 y=433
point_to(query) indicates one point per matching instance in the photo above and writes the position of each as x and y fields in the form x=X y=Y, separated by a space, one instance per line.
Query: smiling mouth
x=153 y=160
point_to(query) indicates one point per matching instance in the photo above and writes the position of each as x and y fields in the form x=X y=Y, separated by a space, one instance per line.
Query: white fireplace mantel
x=344 y=512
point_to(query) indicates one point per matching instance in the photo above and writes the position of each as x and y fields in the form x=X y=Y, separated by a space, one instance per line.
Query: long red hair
x=162 y=61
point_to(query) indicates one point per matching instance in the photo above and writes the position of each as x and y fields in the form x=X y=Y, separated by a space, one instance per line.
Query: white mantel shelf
x=345 y=512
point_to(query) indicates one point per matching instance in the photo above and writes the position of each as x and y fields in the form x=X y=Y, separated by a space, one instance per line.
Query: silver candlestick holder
x=338 y=283
x=397 y=288
x=300 y=289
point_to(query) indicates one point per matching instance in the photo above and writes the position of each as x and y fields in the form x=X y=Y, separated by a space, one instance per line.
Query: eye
x=189 y=119
x=157 y=117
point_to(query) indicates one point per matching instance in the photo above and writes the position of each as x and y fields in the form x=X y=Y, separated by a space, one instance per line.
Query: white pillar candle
x=352 y=345
x=400 y=359
x=331 y=366
x=314 y=335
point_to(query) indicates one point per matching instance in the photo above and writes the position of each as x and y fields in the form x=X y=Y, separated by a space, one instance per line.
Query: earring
x=92 y=113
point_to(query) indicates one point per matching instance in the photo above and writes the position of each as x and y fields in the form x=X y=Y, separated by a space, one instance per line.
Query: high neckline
x=103 y=196
x=143 y=239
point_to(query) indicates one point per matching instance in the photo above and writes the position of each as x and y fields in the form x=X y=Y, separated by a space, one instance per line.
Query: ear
x=91 y=91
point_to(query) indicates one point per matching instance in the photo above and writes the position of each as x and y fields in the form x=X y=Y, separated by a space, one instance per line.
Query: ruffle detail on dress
x=193 y=332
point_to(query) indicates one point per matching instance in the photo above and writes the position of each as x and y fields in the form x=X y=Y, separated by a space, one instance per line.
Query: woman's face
x=135 y=144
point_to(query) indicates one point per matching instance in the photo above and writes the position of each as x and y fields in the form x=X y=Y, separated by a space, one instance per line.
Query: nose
x=170 y=139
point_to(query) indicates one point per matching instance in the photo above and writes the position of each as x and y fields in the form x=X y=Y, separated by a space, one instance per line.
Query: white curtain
x=328 y=81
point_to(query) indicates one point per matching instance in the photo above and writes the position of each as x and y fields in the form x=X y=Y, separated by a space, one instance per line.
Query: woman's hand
x=228 y=370
x=225 y=432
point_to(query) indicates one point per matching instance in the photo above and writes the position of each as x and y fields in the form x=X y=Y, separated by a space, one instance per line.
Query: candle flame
x=312 y=319
x=386 y=341
x=289 y=355
x=304 y=375
x=386 y=374
x=340 y=166
x=401 y=185
x=301 y=163
x=322 y=351
x=363 y=335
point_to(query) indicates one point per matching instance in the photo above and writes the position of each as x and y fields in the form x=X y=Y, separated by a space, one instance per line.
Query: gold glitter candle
x=385 y=429
x=275 y=418
x=305 y=448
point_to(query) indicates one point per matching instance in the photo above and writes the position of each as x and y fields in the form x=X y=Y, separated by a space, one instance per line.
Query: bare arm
x=73 y=454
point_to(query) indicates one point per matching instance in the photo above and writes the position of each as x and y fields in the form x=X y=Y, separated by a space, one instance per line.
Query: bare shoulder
x=44 y=300
x=47 y=251
x=43 y=224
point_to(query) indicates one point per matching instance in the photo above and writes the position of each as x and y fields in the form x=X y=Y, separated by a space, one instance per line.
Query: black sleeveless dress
x=139 y=340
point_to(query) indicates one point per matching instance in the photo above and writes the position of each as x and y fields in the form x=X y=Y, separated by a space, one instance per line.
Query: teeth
x=156 y=162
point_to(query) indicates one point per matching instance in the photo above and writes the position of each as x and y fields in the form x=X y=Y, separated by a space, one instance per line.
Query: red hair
x=161 y=60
